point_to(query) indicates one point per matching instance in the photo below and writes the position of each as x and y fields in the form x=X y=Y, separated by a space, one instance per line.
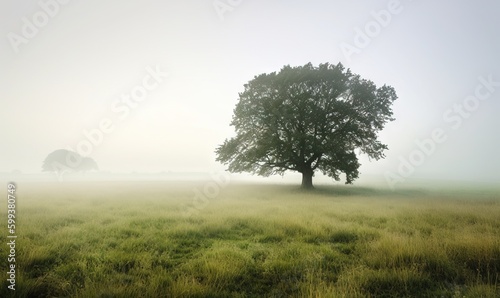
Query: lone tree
x=62 y=160
x=305 y=119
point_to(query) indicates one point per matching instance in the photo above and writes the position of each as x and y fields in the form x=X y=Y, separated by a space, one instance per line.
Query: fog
x=149 y=87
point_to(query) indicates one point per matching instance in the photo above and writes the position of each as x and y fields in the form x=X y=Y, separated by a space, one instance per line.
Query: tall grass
x=132 y=240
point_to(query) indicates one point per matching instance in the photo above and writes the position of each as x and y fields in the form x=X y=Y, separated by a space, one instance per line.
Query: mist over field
x=249 y=149
x=193 y=239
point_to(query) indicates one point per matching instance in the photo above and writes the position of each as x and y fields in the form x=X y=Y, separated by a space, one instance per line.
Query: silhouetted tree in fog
x=68 y=161
x=305 y=119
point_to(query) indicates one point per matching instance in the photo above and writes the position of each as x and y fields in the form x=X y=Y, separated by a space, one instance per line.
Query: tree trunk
x=307 y=179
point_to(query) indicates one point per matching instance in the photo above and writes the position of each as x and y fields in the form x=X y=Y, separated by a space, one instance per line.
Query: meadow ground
x=131 y=239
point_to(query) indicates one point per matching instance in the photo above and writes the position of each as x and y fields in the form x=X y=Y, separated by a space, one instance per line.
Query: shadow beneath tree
x=341 y=190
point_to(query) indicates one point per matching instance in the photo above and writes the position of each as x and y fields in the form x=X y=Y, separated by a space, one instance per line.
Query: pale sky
x=64 y=68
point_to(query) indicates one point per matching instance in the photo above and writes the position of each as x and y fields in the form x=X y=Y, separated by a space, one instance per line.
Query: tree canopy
x=307 y=118
x=63 y=160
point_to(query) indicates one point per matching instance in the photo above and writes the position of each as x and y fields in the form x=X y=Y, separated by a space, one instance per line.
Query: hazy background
x=66 y=78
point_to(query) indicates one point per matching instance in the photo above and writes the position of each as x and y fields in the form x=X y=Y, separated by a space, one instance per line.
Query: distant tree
x=305 y=119
x=68 y=161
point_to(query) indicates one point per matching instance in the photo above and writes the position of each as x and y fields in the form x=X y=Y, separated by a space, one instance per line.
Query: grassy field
x=131 y=239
